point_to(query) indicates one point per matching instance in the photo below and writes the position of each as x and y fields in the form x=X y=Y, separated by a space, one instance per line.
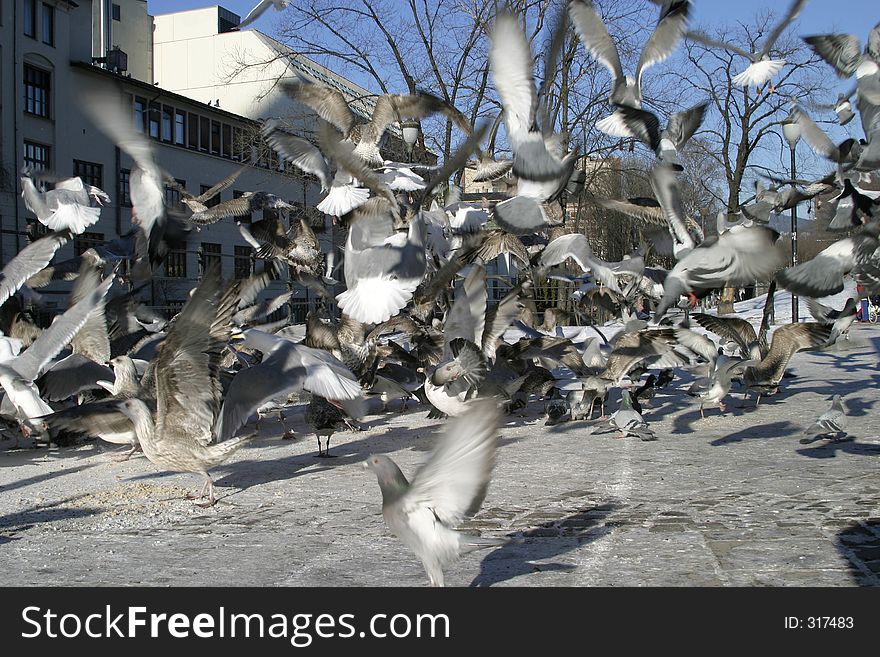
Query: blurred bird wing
x=208 y=194
x=328 y=103
x=467 y=317
x=187 y=392
x=455 y=479
x=31 y=363
x=512 y=65
x=840 y=51
x=298 y=151
x=594 y=35
x=664 y=39
x=794 y=10
x=30 y=260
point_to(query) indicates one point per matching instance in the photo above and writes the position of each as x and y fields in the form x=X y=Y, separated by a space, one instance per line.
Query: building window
x=167 y=122
x=215 y=138
x=47 y=24
x=179 y=127
x=90 y=172
x=211 y=253
x=85 y=241
x=36 y=156
x=125 y=188
x=30 y=18
x=116 y=12
x=204 y=133
x=173 y=306
x=140 y=114
x=155 y=111
x=227 y=140
x=242 y=261
x=246 y=217
x=214 y=200
x=193 y=135
x=236 y=144
x=172 y=195
x=175 y=263
x=36 y=91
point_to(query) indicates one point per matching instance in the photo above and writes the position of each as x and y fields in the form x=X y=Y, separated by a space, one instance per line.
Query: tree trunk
x=725 y=305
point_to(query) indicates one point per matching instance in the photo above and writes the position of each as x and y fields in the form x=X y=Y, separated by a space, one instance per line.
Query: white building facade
x=53 y=52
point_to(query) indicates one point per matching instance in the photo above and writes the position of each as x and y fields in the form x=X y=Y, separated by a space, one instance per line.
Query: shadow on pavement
x=546 y=541
x=859 y=544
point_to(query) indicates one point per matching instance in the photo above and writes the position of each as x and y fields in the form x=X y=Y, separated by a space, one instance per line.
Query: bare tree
x=742 y=131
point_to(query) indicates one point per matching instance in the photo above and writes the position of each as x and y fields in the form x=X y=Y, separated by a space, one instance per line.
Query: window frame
x=91 y=173
x=140 y=109
x=125 y=188
x=85 y=241
x=29 y=19
x=210 y=255
x=175 y=263
x=39 y=80
x=47 y=18
x=243 y=262
x=33 y=162
x=180 y=127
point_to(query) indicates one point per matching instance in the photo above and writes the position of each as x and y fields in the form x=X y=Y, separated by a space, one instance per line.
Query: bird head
x=391 y=479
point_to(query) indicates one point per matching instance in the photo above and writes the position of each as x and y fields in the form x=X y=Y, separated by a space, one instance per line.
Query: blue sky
x=819 y=16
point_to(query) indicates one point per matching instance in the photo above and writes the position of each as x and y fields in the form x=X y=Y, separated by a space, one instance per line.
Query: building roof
x=154 y=89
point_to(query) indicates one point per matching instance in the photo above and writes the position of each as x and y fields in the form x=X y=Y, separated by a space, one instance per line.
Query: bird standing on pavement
x=831 y=425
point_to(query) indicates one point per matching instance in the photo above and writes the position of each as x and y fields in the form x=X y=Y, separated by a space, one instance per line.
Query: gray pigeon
x=449 y=487
x=830 y=425
x=629 y=421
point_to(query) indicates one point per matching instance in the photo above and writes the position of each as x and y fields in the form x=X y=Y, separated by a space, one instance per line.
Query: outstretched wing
x=454 y=481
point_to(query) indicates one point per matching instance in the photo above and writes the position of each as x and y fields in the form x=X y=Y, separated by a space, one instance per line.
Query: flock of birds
x=414 y=320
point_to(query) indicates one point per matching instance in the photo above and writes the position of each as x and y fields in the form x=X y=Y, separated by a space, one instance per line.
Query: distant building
x=199 y=54
x=55 y=51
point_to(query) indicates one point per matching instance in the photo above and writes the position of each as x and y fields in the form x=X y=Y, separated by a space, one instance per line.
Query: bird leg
x=289 y=434
x=207 y=491
x=702 y=414
x=722 y=407
x=324 y=453
x=119 y=458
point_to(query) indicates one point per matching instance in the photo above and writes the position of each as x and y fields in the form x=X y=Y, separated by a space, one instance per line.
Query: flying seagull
x=627 y=90
x=448 y=488
x=188 y=390
x=762 y=67
x=67 y=206
x=260 y=9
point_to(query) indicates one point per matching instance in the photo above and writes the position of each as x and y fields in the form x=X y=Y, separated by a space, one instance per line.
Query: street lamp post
x=410 y=130
x=792 y=132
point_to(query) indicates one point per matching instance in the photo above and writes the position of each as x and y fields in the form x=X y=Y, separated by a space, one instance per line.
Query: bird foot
x=289 y=435
x=325 y=455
